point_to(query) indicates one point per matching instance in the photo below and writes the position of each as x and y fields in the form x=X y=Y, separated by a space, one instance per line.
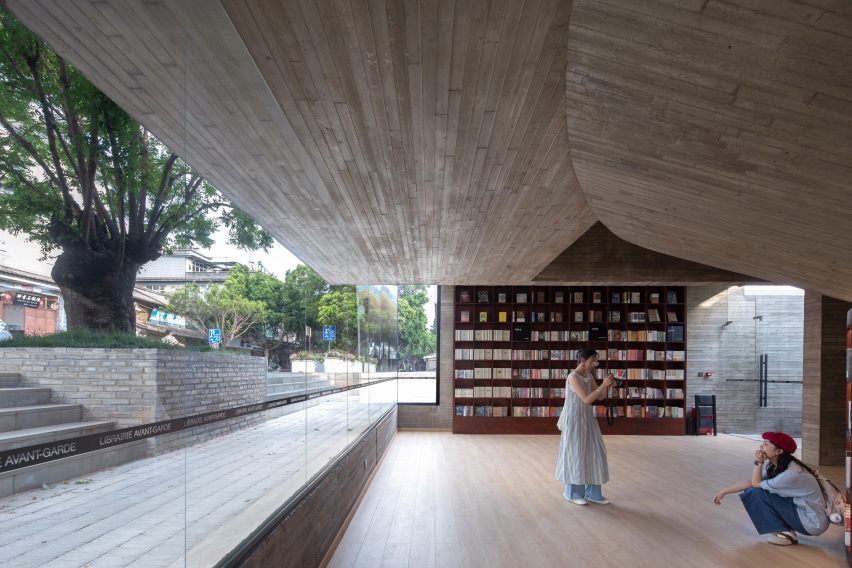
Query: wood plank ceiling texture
x=397 y=141
x=426 y=141
x=719 y=131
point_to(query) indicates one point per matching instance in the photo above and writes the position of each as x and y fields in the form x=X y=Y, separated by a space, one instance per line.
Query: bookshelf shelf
x=848 y=513
x=514 y=347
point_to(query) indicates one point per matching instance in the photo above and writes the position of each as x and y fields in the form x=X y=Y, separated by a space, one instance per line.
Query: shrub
x=308 y=355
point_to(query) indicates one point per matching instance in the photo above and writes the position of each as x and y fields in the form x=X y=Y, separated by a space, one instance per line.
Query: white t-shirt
x=804 y=489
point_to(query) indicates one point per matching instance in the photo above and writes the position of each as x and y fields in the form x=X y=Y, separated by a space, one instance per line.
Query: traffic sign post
x=214 y=337
x=329 y=333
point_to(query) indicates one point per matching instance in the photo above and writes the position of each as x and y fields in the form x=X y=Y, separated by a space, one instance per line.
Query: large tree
x=415 y=339
x=218 y=307
x=79 y=175
x=303 y=288
x=271 y=330
x=338 y=307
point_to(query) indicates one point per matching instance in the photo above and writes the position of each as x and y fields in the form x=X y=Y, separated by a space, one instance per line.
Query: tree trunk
x=97 y=289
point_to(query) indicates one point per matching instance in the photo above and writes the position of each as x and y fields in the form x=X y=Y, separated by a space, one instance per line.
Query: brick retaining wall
x=138 y=386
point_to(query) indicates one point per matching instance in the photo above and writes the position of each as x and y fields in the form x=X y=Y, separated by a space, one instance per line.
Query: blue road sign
x=214 y=336
x=329 y=332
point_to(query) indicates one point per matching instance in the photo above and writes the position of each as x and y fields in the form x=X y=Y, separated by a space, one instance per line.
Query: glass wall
x=419 y=322
x=198 y=447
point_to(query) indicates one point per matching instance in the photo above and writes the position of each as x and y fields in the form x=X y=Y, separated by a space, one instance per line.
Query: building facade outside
x=30 y=303
x=170 y=272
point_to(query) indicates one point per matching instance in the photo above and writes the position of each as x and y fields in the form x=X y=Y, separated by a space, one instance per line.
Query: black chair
x=705 y=413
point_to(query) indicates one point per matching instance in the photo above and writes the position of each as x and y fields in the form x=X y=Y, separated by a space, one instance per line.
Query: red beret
x=781 y=440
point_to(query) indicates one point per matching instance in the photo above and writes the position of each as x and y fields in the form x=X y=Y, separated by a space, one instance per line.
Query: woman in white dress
x=581 y=465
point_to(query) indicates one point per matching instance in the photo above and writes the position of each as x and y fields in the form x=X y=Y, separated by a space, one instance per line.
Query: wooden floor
x=447 y=500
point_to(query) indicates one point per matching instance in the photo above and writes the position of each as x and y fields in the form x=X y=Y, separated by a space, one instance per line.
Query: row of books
x=639 y=374
x=484 y=410
x=641 y=411
x=595 y=332
x=594 y=316
x=633 y=411
x=489 y=373
x=485 y=354
x=485 y=335
x=613 y=335
x=577 y=297
x=625 y=355
x=504 y=392
x=638 y=335
x=646 y=393
x=644 y=355
x=537 y=411
x=503 y=373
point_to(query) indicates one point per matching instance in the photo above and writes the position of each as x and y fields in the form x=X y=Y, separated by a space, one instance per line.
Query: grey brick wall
x=731 y=353
x=138 y=386
x=193 y=383
x=111 y=384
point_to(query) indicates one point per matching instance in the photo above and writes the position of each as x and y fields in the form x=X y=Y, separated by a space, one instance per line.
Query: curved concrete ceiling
x=427 y=140
x=719 y=132
x=397 y=141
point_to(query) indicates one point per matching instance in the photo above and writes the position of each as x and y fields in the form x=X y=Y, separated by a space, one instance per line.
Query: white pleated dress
x=582 y=455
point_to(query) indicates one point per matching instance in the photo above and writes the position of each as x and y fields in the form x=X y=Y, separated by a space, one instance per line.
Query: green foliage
x=79 y=174
x=339 y=307
x=270 y=330
x=415 y=339
x=87 y=338
x=219 y=307
x=303 y=288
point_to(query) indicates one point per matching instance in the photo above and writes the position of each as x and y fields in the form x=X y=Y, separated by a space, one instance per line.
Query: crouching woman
x=783 y=496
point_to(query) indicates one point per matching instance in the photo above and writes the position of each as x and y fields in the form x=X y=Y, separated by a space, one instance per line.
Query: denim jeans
x=583 y=491
x=770 y=512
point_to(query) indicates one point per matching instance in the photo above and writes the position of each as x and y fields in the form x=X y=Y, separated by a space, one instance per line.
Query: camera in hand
x=617 y=381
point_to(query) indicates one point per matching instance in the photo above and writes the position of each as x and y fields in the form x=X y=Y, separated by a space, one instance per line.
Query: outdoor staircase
x=280 y=385
x=27 y=417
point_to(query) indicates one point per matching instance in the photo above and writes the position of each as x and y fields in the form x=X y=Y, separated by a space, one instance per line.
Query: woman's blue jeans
x=770 y=512
x=592 y=492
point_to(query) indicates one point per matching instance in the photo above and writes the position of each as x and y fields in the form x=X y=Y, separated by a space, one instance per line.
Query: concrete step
x=10 y=379
x=37 y=476
x=295 y=389
x=45 y=434
x=21 y=417
x=23 y=396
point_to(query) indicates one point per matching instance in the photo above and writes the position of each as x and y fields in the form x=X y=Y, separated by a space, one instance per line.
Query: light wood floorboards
x=447 y=500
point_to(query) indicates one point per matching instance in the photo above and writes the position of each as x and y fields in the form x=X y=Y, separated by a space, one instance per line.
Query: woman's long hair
x=784 y=461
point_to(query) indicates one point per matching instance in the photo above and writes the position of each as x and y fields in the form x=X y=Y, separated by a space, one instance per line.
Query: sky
x=17 y=252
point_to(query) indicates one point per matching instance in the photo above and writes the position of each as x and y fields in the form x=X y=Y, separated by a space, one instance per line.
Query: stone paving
x=189 y=507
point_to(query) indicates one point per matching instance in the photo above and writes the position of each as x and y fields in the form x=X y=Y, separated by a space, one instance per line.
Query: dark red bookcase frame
x=476 y=300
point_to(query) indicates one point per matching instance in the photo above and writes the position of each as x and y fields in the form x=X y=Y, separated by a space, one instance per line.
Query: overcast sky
x=16 y=252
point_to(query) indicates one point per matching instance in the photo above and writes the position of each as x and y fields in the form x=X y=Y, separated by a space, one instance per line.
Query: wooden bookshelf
x=848 y=513
x=514 y=347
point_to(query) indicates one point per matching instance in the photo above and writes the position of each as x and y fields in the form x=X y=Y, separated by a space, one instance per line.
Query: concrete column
x=824 y=392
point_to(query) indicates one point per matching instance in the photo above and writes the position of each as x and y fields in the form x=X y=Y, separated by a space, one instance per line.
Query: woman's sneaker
x=601 y=501
x=567 y=495
x=785 y=538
